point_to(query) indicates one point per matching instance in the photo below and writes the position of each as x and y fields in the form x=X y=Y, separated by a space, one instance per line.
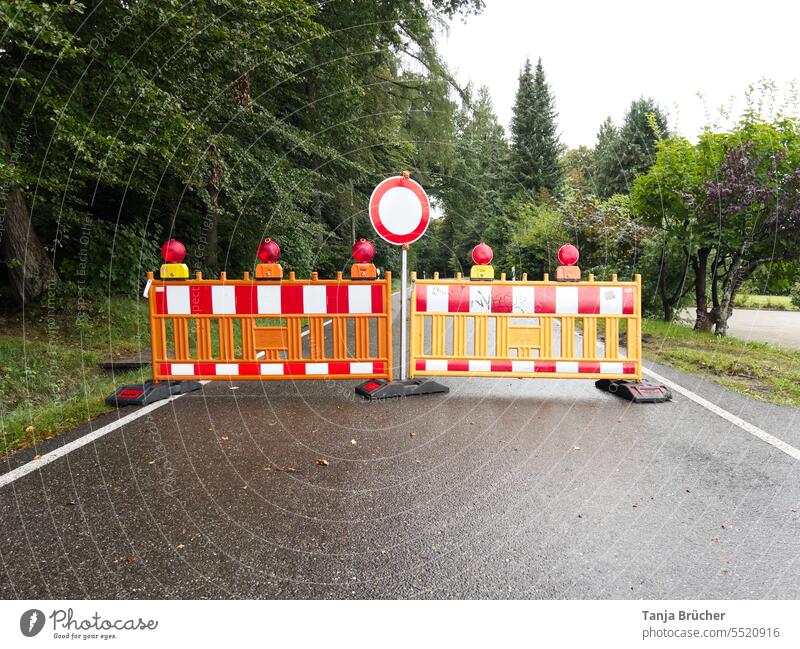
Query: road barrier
x=249 y=329
x=525 y=328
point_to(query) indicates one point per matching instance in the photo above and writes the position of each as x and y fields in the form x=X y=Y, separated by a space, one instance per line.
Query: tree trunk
x=29 y=268
x=700 y=264
x=733 y=280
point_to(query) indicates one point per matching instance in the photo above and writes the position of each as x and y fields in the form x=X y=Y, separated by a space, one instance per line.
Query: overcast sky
x=600 y=55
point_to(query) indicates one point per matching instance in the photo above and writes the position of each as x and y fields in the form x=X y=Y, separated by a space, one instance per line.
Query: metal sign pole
x=403 y=311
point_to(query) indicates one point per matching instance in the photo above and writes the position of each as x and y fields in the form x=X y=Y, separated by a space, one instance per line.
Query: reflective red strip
x=296 y=369
x=161 y=299
x=338 y=299
x=629 y=368
x=338 y=368
x=202 y=369
x=249 y=369
x=589 y=368
x=544 y=299
x=200 y=300
x=379 y=368
x=501 y=366
x=291 y=299
x=422 y=298
x=502 y=299
x=588 y=299
x=246 y=299
x=458 y=299
x=377 y=299
x=458 y=366
x=544 y=366
x=165 y=369
x=627 y=300
x=420 y=366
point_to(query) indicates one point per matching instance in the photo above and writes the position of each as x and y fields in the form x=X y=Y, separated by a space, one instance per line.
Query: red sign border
x=375 y=199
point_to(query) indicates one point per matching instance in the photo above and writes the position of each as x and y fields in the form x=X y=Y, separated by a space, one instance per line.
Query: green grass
x=776 y=302
x=51 y=380
x=757 y=370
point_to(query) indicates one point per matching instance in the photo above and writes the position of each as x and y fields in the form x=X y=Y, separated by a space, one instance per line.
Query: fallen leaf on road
x=180 y=546
x=71 y=503
x=322 y=462
x=413 y=434
x=576 y=448
x=152 y=462
x=224 y=438
x=353 y=442
x=132 y=559
x=37 y=457
x=234 y=387
x=49 y=437
x=636 y=504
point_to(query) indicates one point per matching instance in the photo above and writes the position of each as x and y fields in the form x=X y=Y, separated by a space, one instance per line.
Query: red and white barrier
x=265 y=299
x=525 y=300
x=274 y=369
x=526 y=367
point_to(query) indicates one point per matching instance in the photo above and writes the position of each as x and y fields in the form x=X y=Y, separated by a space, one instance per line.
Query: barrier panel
x=270 y=330
x=525 y=328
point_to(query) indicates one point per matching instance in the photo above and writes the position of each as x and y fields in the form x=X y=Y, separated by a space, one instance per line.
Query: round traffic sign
x=399 y=210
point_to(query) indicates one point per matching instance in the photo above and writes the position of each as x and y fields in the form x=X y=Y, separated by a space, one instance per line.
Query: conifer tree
x=536 y=148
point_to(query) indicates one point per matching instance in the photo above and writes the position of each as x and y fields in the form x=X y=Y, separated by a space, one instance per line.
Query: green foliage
x=535 y=146
x=219 y=124
x=625 y=154
x=794 y=294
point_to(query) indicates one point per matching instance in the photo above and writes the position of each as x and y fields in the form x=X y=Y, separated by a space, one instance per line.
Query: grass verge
x=757 y=370
x=773 y=302
x=51 y=379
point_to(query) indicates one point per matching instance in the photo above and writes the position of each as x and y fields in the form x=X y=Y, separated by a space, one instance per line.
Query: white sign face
x=399 y=210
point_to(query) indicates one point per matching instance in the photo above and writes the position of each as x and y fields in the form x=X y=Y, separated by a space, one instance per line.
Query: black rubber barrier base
x=141 y=394
x=636 y=392
x=383 y=389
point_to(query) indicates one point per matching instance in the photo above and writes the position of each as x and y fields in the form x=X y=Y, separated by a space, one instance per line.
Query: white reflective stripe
x=269 y=299
x=272 y=369
x=181 y=369
x=480 y=366
x=611 y=368
x=178 y=300
x=480 y=299
x=522 y=299
x=567 y=366
x=223 y=300
x=359 y=299
x=566 y=300
x=522 y=366
x=438 y=299
x=316 y=368
x=315 y=299
x=361 y=368
x=611 y=300
x=147 y=288
x=224 y=369
x=435 y=366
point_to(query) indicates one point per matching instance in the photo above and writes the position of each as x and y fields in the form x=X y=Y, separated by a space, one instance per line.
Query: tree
x=472 y=196
x=624 y=155
x=535 y=146
x=730 y=204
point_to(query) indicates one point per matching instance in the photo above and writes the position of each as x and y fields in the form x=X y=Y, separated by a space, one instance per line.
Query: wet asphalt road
x=505 y=488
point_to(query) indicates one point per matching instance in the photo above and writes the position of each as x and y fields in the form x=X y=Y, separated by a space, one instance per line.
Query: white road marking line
x=61 y=451
x=728 y=416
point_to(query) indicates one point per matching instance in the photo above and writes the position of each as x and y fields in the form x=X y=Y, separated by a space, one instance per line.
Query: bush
x=794 y=294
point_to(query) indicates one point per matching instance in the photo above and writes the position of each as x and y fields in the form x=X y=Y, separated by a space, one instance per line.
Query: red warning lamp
x=269 y=252
x=482 y=255
x=173 y=252
x=568 y=256
x=363 y=253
